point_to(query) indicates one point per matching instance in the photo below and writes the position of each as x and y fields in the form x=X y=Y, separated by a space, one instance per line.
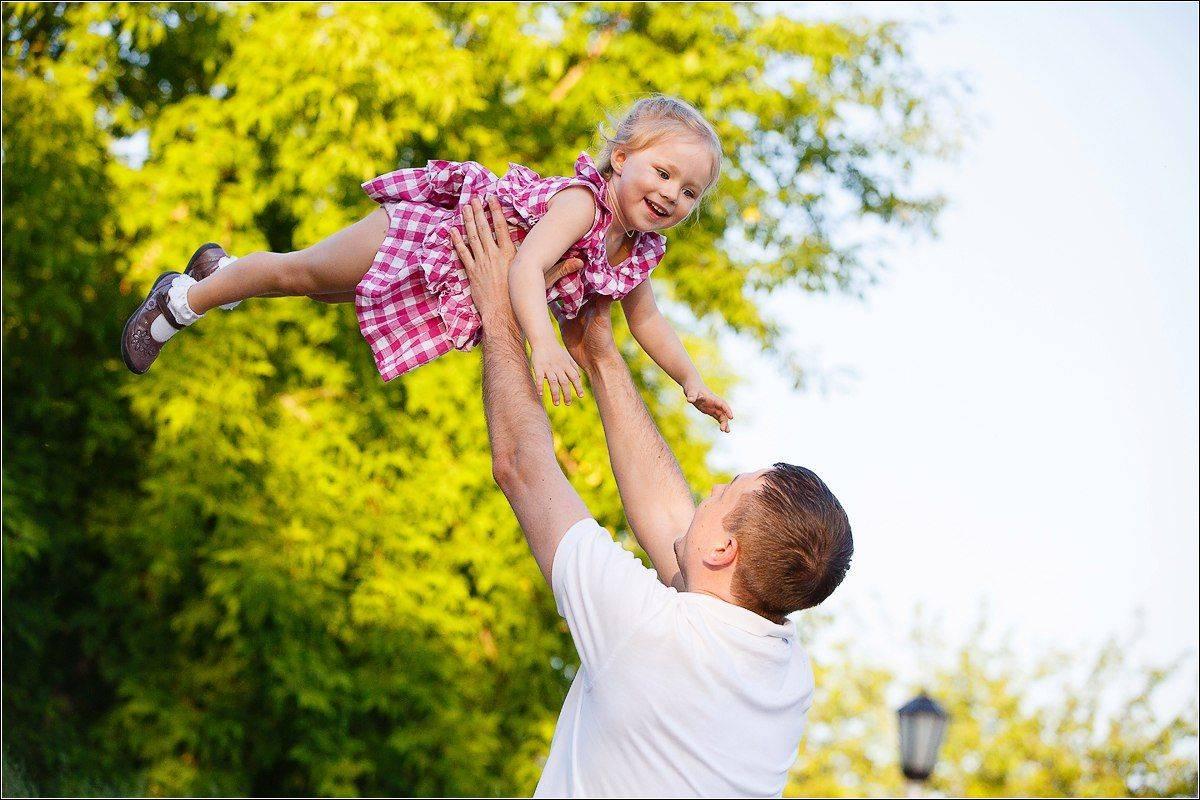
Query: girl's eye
x=663 y=175
x=690 y=193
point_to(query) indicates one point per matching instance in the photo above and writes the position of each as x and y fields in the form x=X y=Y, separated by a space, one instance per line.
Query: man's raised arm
x=523 y=461
x=657 y=500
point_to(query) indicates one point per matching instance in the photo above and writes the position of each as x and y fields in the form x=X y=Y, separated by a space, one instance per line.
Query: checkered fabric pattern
x=414 y=304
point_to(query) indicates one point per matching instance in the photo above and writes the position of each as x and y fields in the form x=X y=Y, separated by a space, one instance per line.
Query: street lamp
x=922 y=725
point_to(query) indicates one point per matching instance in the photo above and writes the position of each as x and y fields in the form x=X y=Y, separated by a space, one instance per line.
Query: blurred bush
x=1089 y=723
x=258 y=569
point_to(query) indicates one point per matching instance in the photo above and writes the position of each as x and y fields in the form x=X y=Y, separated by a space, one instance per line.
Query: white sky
x=1021 y=431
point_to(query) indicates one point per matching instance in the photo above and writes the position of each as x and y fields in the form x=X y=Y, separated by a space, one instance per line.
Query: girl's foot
x=205 y=261
x=161 y=315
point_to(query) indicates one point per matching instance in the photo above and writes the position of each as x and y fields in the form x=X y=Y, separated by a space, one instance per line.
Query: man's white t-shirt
x=677 y=694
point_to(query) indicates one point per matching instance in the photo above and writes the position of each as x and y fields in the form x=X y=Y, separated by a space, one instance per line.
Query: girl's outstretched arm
x=660 y=341
x=569 y=216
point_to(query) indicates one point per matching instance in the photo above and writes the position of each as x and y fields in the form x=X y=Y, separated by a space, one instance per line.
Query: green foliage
x=1064 y=725
x=14 y=781
x=258 y=569
x=65 y=425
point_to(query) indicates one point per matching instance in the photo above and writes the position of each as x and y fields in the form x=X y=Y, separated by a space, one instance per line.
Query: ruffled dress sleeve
x=528 y=196
x=439 y=183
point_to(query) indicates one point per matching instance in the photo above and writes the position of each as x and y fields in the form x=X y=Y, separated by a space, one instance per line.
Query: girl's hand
x=552 y=364
x=707 y=402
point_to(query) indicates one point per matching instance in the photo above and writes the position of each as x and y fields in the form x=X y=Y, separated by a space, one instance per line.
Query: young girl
x=399 y=267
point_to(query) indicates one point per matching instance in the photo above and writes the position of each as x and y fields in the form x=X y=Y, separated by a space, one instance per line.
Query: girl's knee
x=294 y=274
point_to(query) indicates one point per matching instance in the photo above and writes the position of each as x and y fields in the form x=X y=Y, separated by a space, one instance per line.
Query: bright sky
x=1021 y=431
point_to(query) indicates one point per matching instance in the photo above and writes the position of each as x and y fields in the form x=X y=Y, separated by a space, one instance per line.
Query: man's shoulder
x=591 y=545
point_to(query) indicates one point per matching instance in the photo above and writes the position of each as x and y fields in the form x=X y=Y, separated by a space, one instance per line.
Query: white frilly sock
x=162 y=330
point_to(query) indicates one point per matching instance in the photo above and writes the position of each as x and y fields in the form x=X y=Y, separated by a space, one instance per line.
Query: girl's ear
x=618 y=160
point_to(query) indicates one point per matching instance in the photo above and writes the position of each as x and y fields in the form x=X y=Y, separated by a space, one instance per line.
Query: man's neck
x=712 y=585
x=721 y=590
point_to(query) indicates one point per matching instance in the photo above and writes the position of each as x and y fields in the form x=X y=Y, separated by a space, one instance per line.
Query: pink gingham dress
x=414 y=304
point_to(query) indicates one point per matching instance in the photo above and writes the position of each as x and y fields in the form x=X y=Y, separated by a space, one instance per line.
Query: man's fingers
x=563 y=268
x=487 y=238
x=472 y=230
x=484 y=218
x=552 y=379
x=460 y=247
x=496 y=215
x=500 y=225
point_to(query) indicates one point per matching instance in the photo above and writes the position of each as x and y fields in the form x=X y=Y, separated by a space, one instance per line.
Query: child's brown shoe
x=139 y=347
x=205 y=261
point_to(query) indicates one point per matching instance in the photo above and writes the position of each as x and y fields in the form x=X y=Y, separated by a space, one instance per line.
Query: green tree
x=275 y=573
x=1054 y=725
x=65 y=425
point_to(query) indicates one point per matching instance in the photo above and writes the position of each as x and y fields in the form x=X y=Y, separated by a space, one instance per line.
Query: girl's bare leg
x=336 y=297
x=328 y=270
x=340 y=297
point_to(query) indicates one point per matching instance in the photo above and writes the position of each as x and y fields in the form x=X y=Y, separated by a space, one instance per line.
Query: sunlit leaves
x=259 y=569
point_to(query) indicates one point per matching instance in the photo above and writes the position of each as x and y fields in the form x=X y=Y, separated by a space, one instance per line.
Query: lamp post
x=922 y=726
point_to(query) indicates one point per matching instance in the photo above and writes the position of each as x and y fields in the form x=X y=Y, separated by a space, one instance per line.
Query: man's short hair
x=794 y=543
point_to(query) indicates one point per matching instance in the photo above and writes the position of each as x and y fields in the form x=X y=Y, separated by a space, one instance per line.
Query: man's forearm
x=657 y=500
x=515 y=418
x=523 y=460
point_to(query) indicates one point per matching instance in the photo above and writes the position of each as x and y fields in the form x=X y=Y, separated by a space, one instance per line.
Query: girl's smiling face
x=658 y=186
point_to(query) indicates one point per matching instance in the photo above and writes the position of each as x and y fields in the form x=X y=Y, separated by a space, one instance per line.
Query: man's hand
x=589 y=337
x=562 y=269
x=487 y=254
x=486 y=257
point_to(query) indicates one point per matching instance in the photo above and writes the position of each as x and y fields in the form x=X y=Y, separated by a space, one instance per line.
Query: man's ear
x=723 y=554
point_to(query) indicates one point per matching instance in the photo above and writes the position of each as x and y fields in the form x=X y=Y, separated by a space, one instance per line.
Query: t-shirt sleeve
x=602 y=591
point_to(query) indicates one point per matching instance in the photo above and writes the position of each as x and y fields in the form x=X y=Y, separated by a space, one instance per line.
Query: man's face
x=707 y=532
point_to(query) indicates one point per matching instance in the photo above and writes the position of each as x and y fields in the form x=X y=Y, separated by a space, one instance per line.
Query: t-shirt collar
x=742 y=618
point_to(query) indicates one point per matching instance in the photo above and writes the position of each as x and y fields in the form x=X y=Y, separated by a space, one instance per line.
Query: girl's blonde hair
x=653 y=119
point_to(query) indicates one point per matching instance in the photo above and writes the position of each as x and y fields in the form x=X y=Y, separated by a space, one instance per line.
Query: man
x=691 y=682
